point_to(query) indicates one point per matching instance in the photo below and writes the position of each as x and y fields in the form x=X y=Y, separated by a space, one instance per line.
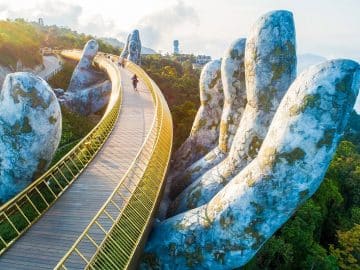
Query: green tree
x=348 y=252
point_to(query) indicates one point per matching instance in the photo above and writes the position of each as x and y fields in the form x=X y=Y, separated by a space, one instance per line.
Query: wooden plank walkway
x=49 y=239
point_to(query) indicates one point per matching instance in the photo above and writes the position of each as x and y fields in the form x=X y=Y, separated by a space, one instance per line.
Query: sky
x=328 y=28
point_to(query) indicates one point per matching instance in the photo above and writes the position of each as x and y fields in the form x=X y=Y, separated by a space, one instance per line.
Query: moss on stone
x=265 y=98
x=277 y=51
x=179 y=226
x=20 y=127
x=202 y=123
x=327 y=139
x=194 y=257
x=26 y=127
x=41 y=167
x=52 y=120
x=294 y=110
x=277 y=71
x=193 y=199
x=309 y=101
x=227 y=220
x=200 y=149
x=254 y=146
x=215 y=79
x=32 y=94
x=250 y=181
x=207 y=220
x=344 y=84
x=190 y=239
x=292 y=156
x=216 y=205
x=258 y=208
x=291 y=50
x=268 y=158
x=254 y=233
x=172 y=249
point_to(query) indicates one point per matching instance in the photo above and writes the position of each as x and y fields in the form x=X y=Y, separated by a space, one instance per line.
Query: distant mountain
x=306 y=60
x=118 y=44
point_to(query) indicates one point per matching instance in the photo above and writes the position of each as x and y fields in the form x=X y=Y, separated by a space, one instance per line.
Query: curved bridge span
x=94 y=208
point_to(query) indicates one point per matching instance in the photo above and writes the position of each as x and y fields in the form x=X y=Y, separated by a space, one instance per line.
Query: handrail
x=22 y=211
x=115 y=236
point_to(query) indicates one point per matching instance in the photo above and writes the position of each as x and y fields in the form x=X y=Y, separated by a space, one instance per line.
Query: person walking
x=135 y=81
x=121 y=62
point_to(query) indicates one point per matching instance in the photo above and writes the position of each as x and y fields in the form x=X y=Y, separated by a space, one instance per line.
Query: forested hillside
x=22 y=40
x=180 y=84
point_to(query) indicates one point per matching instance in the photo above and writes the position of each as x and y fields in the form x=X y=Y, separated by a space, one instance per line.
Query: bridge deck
x=49 y=239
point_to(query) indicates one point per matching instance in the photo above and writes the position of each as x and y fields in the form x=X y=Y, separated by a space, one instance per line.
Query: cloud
x=161 y=26
x=98 y=26
x=61 y=14
x=53 y=12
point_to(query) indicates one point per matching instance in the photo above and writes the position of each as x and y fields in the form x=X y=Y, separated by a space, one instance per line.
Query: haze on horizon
x=202 y=26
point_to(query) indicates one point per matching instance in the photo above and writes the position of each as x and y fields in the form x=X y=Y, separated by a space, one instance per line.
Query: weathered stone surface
x=88 y=91
x=132 y=49
x=86 y=101
x=30 y=131
x=233 y=79
x=125 y=52
x=270 y=68
x=228 y=231
x=205 y=130
x=84 y=74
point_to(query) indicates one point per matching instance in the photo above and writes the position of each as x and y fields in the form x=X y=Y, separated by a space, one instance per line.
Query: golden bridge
x=94 y=208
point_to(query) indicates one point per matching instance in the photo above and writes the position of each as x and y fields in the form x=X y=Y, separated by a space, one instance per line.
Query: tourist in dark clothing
x=134 y=81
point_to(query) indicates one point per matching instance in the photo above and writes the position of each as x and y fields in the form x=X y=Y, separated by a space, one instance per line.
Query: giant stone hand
x=30 y=131
x=283 y=146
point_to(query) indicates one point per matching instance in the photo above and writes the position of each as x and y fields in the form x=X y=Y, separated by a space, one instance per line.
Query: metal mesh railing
x=19 y=213
x=115 y=236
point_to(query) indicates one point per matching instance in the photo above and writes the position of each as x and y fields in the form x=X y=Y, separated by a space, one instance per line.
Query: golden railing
x=22 y=211
x=116 y=235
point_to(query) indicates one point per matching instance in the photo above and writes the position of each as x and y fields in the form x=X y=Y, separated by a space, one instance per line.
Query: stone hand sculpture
x=205 y=130
x=283 y=145
x=84 y=74
x=132 y=48
x=233 y=79
x=88 y=92
x=270 y=68
x=30 y=131
x=227 y=232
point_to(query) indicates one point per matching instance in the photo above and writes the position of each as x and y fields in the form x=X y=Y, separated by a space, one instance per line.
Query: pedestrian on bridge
x=135 y=81
x=121 y=62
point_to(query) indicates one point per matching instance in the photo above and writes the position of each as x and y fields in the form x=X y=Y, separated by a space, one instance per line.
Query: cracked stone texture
x=30 y=131
x=270 y=68
x=291 y=163
x=204 y=133
x=88 y=91
x=233 y=79
x=132 y=48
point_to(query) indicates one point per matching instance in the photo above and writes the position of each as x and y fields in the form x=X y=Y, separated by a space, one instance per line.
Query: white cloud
x=202 y=26
x=161 y=27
